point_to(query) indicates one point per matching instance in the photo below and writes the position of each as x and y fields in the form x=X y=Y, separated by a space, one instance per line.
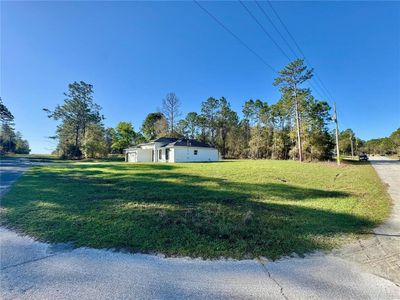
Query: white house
x=171 y=150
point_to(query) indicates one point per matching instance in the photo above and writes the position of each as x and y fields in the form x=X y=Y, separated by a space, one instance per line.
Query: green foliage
x=345 y=139
x=123 y=136
x=233 y=208
x=189 y=127
x=154 y=125
x=257 y=113
x=226 y=121
x=5 y=114
x=10 y=141
x=94 y=145
x=209 y=110
x=290 y=80
x=294 y=74
x=296 y=125
x=271 y=132
x=76 y=114
x=70 y=151
x=395 y=137
x=21 y=145
x=217 y=124
x=386 y=146
x=266 y=131
x=7 y=138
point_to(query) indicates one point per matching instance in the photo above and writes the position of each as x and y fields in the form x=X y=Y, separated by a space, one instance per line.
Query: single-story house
x=171 y=150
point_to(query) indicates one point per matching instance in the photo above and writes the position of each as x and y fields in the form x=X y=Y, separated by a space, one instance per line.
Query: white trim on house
x=172 y=150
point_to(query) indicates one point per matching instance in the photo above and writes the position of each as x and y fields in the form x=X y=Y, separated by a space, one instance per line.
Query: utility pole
x=351 y=145
x=334 y=118
x=356 y=146
x=299 y=146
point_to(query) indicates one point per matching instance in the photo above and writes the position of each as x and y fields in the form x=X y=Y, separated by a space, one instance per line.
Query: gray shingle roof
x=170 y=142
x=188 y=143
x=165 y=140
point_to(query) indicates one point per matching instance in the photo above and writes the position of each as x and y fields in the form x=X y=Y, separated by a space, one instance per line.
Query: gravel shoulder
x=379 y=252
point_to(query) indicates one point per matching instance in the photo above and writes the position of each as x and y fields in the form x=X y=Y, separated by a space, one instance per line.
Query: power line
x=263 y=29
x=289 y=46
x=235 y=36
x=317 y=90
x=323 y=85
x=314 y=87
x=317 y=80
x=276 y=28
x=298 y=47
x=286 y=29
x=249 y=48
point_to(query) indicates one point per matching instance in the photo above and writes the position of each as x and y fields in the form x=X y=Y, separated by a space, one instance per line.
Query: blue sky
x=136 y=52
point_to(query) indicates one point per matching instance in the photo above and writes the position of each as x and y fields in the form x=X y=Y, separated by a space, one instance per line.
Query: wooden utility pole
x=299 y=145
x=337 y=134
x=351 y=145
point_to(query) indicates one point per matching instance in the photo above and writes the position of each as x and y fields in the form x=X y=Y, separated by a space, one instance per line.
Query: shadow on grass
x=105 y=167
x=174 y=213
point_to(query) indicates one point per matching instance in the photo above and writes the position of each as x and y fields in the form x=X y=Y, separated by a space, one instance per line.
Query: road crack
x=27 y=262
x=264 y=267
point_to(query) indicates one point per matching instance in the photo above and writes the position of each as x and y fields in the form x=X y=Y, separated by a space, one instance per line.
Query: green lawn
x=233 y=208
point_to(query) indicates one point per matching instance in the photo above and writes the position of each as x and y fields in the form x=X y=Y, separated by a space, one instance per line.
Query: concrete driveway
x=33 y=270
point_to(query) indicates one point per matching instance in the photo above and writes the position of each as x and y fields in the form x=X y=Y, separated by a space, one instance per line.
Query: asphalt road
x=10 y=170
x=34 y=270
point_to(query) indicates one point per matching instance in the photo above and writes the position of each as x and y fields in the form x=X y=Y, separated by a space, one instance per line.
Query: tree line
x=384 y=146
x=11 y=141
x=295 y=127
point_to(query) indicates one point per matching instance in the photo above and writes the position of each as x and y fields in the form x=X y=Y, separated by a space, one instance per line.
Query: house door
x=152 y=155
x=167 y=154
x=134 y=156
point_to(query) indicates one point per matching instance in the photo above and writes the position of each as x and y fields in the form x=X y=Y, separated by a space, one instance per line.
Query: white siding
x=171 y=155
x=176 y=154
x=163 y=155
x=139 y=155
x=144 y=155
x=131 y=156
x=186 y=154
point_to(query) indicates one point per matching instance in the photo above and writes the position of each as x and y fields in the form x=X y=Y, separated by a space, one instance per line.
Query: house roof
x=171 y=142
x=188 y=143
x=165 y=140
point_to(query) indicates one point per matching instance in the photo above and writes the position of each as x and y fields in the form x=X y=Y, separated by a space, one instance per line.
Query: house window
x=159 y=154
x=195 y=152
x=167 y=154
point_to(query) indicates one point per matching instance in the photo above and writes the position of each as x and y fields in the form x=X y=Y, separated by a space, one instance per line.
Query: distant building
x=171 y=150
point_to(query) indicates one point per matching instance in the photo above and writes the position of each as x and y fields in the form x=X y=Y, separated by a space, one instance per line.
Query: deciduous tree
x=123 y=136
x=171 y=109
x=153 y=125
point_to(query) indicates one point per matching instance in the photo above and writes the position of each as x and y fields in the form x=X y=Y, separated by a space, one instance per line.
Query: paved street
x=10 y=170
x=379 y=253
x=367 y=269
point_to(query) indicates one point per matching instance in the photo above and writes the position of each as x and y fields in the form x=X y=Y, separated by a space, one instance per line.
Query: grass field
x=234 y=209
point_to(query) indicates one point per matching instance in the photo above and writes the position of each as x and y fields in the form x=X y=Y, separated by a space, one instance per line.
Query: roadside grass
x=238 y=209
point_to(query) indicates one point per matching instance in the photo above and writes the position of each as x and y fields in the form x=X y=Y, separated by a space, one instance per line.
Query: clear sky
x=136 y=52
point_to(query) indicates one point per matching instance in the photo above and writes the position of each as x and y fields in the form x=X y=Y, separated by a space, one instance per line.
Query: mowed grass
x=238 y=209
